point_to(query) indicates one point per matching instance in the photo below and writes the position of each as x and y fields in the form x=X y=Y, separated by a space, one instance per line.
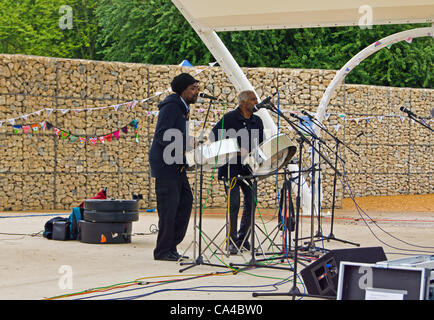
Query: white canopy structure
x=235 y=15
x=209 y=17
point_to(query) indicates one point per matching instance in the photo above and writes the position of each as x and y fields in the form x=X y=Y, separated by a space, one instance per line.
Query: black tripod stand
x=199 y=260
x=338 y=142
x=286 y=220
x=294 y=291
x=253 y=263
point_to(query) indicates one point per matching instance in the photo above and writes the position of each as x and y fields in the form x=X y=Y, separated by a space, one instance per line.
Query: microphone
x=408 y=112
x=264 y=103
x=205 y=96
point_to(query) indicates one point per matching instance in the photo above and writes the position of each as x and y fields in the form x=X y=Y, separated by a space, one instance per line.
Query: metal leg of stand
x=331 y=236
x=294 y=291
x=253 y=261
x=199 y=259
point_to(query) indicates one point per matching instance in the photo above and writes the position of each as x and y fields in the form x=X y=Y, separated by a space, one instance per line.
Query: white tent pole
x=353 y=62
x=225 y=59
x=359 y=57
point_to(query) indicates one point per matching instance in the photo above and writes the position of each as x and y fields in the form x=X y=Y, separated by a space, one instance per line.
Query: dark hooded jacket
x=172 y=115
x=235 y=120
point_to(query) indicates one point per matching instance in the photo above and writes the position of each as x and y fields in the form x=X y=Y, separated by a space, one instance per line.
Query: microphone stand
x=199 y=259
x=338 y=142
x=420 y=122
x=294 y=291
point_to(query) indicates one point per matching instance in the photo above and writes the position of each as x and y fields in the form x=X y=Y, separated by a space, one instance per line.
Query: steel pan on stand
x=271 y=155
x=212 y=155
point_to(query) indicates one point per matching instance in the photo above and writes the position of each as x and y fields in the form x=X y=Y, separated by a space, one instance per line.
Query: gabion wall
x=71 y=127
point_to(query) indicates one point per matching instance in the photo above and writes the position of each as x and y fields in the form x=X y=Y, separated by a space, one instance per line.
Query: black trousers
x=234 y=207
x=174 y=204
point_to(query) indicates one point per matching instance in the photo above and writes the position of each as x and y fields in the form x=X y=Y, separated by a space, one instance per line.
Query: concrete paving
x=34 y=268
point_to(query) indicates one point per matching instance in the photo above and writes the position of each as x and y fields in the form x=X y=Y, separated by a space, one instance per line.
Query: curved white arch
x=353 y=62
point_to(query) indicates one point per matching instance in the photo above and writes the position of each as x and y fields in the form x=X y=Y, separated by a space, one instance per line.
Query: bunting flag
x=72 y=138
x=26 y=129
x=128 y=104
x=116 y=134
x=65 y=135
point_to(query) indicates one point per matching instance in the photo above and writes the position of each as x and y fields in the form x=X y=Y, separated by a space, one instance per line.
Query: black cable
x=376 y=224
x=152 y=229
x=21 y=234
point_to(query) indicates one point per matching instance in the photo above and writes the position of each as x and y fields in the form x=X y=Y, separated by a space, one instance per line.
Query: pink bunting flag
x=102 y=138
x=93 y=140
x=26 y=129
x=116 y=134
x=57 y=130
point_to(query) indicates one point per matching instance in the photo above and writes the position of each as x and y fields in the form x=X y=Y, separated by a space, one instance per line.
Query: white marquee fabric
x=231 y=15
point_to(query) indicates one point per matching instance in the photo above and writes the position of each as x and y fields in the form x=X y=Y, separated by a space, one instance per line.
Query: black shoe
x=174 y=252
x=168 y=257
x=232 y=249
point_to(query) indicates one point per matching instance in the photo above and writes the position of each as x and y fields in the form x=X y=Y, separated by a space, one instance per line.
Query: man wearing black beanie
x=167 y=162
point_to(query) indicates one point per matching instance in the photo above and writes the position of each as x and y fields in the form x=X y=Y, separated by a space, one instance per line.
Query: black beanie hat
x=181 y=82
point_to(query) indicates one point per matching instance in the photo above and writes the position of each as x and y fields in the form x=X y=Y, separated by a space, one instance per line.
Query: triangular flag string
x=129 y=104
x=64 y=135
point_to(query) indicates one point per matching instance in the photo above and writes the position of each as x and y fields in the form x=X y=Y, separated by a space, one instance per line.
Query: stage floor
x=34 y=268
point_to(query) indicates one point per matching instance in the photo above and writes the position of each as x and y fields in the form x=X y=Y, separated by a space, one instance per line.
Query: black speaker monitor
x=321 y=277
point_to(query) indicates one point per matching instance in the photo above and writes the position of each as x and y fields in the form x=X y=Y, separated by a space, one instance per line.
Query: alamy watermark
x=367 y=18
x=66 y=20
x=66 y=279
x=178 y=143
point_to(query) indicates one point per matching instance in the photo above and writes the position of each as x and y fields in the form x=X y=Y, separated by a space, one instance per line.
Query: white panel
x=230 y=15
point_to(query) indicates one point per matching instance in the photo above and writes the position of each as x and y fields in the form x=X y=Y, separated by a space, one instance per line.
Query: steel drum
x=270 y=155
x=212 y=155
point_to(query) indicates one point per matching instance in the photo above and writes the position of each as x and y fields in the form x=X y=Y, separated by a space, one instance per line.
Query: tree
x=155 y=32
x=148 y=32
x=35 y=27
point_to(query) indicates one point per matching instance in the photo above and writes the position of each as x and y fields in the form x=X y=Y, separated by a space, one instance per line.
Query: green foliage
x=31 y=27
x=148 y=32
x=155 y=32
